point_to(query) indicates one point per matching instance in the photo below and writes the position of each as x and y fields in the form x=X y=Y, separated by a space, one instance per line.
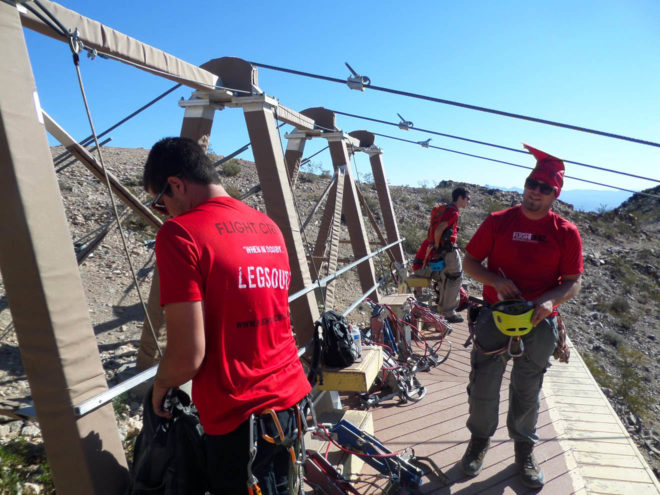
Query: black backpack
x=334 y=346
x=169 y=456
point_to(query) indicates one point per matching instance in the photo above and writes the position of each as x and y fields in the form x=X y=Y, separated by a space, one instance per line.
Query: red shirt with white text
x=233 y=258
x=534 y=254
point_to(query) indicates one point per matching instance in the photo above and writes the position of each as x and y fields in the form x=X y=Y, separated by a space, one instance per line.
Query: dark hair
x=459 y=192
x=180 y=157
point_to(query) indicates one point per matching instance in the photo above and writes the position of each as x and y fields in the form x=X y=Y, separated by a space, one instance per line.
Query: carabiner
x=280 y=433
x=520 y=343
x=252 y=481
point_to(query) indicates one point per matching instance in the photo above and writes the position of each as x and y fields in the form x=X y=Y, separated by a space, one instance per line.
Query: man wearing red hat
x=535 y=255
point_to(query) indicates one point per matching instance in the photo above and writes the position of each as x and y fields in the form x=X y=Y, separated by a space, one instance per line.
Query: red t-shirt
x=234 y=259
x=534 y=254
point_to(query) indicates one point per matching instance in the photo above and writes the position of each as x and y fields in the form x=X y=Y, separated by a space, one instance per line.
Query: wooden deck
x=583 y=448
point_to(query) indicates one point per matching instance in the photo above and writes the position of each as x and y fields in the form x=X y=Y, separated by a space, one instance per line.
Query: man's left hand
x=157 y=399
x=541 y=311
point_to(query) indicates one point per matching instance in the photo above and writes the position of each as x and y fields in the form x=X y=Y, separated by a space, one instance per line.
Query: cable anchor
x=74 y=42
x=404 y=124
x=356 y=81
x=424 y=144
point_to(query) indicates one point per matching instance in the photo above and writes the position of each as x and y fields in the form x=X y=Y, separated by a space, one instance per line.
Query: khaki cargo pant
x=526 y=379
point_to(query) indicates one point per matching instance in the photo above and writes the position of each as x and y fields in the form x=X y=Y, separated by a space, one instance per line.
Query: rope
x=76 y=63
x=507 y=148
x=467 y=106
x=515 y=165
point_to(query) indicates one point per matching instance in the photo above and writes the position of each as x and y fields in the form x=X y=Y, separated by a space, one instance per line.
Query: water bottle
x=357 y=338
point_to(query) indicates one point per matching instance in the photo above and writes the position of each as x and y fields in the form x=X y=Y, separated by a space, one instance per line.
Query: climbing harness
x=513 y=319
x=268 y=425
x=514 y=347
x=419 y=315
x=400 y=339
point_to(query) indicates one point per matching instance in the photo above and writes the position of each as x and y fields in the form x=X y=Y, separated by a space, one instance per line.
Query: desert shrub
x=621 y=269
x=414 y=236
x=120 y=404
x=234 y=192
x=134 y=181
x=602 y=377
x=630 y=386
x=613 y=338
x=372 y=203
x=493 y=204
x=308 y=177
x=231 y=168
x=24 y=462
x=619 y=306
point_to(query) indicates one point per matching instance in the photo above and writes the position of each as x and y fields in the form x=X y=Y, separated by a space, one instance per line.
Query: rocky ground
x=614 y=322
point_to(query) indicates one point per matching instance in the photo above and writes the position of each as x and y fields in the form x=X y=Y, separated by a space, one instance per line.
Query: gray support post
x=197 y=123
x=293 y=156
x=352 y=212
x=367 y=145
x=46 y=297
x=278 y=197
x=385 y=200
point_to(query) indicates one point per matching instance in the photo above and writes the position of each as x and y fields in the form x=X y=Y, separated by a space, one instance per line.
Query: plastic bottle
x=357 y=338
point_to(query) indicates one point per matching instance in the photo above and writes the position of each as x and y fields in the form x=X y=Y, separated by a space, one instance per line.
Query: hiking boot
x=453 y=317
x=473 y=458
x=530 y=472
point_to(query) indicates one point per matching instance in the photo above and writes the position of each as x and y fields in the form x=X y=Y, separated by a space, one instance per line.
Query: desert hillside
x=614 y=322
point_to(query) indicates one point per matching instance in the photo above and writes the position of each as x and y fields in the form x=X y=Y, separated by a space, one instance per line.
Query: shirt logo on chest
x=528 y=237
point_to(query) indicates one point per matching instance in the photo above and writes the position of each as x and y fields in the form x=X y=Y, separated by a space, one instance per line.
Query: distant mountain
x=594 y=200
x=586 y=199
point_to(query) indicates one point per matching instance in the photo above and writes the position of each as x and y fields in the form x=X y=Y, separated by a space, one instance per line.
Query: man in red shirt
x=224 y=280
x=441 y=244
x=536 y=255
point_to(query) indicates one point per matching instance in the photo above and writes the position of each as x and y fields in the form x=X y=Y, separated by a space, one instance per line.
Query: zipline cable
x=88 y=139
x=43 y=19
x=467 y=106
x=514 y=164
x=507 y=148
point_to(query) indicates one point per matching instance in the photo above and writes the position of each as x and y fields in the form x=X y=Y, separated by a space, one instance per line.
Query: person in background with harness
x=224 y=283
x=439 y=258
x=534 y=255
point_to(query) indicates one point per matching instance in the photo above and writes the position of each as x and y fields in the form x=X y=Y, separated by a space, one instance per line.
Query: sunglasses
x=157 y=205
x=544 y=188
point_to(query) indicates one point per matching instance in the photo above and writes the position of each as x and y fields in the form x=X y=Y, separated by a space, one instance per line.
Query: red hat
x=549 y=169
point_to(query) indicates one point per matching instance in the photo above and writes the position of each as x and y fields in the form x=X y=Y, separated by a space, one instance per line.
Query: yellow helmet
x=513 y=317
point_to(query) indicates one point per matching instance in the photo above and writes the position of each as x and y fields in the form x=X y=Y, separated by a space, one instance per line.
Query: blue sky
x=589 y=63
